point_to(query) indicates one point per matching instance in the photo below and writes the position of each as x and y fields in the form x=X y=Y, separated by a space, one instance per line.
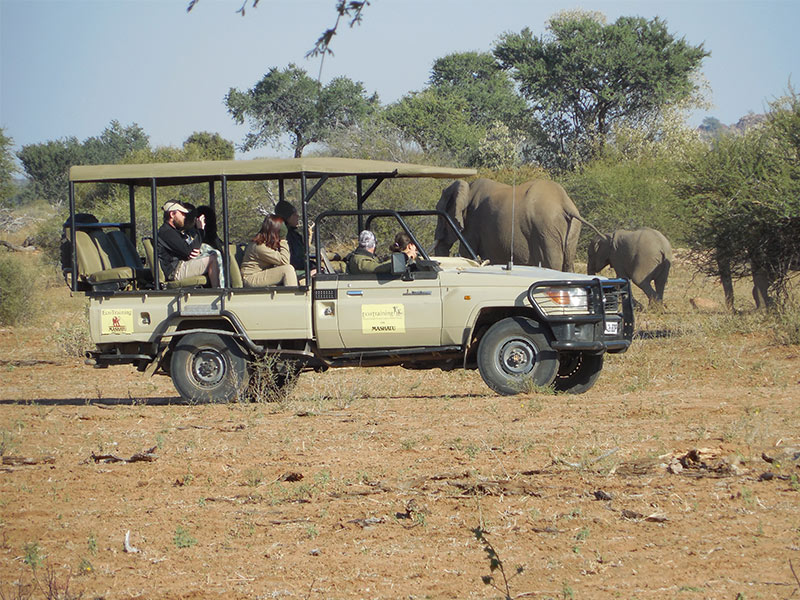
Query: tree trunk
x=727 y=281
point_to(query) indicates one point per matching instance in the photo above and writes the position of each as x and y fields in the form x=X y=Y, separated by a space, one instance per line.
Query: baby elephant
x=643 y=256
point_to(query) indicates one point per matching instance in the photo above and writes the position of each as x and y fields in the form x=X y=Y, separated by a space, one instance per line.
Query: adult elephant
x=644 y=256
x=539 y=215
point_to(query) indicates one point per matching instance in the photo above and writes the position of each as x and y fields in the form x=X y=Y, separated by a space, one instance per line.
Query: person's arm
x=170 y=239
x=267 y=257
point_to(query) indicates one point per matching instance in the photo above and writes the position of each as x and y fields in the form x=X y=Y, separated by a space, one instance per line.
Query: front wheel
x=514 y=354
x=578 y=371
x=206 y=367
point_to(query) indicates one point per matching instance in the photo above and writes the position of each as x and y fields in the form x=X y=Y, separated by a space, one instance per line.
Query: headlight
x=562 y=301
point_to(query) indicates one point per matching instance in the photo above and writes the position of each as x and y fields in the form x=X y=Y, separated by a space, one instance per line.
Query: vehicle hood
x=518 y=274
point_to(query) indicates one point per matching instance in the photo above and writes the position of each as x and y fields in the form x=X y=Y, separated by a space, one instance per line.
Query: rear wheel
x=578 y=371
x=515 y=355
x=206 y=367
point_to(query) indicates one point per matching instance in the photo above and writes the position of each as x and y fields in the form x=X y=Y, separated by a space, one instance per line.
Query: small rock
x=314 y=552
x=631 y=514
x=675 y=467
x=769 y=476
x=601 y=495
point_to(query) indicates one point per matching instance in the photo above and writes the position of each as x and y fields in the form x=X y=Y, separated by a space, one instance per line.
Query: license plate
x=612 y=327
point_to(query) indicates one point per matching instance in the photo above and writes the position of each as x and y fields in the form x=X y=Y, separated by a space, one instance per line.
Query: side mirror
x=398 y=263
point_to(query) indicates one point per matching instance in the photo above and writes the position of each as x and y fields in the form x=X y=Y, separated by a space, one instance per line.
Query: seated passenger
x=209 y=229
x=294 y=237
x=195 y=232
x=180 y=255
x=403 y=243
x=363 y=260
x=266 y=259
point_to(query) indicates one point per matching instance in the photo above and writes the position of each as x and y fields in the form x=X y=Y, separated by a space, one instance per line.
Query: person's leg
x=289 y=275
x=282 y=275
x=199 y=266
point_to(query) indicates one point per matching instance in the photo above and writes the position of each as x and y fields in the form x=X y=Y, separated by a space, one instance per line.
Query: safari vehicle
x=519 y=326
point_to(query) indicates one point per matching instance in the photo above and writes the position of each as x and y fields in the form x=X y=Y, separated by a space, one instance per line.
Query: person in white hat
x=178 y=256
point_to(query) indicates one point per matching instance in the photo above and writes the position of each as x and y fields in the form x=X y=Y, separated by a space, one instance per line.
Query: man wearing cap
x=178 y=255
x=363 y=260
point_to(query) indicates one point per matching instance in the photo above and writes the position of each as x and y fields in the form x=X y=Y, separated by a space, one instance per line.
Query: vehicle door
x=390 y=311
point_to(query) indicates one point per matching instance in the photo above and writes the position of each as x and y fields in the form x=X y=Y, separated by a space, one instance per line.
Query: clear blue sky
x=71 y=66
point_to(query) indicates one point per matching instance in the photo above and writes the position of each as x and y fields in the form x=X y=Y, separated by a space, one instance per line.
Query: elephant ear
x=454 y=201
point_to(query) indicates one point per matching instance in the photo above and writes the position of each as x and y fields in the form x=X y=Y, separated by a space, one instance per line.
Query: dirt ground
x=370 y=483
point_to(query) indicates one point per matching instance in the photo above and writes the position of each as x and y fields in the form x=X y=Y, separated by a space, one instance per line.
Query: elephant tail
x=585 y=222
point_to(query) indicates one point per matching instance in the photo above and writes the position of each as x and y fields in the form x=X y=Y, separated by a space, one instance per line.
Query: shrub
x=73 y=339
x=19 y=297
x=47 y=237
x=786 y=327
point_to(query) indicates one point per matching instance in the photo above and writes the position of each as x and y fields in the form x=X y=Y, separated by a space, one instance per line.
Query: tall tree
x=437 y=122
x=585 y=76
x=7 y=167
x=114 y=143
x=47 y=166
x=468 y=100
x=487 y=89
x=289 y=102
x=743 y=193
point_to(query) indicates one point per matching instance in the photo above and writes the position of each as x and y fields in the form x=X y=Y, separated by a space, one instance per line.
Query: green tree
x=487 y=89
x=47 y=165
x=743 y=194
x=7 y=167
x=211 y=146
x=289 y=102
x=116 y=141
x=585 y=76
x=467 y=108
x=438 y=122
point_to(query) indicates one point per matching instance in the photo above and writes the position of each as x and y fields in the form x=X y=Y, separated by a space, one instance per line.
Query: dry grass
x=370 y=482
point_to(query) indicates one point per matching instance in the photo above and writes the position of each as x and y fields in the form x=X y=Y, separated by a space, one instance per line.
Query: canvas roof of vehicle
x=263 y=168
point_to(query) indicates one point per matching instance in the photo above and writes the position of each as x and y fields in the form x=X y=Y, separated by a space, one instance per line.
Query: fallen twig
x=17 y=461
x=126 y=544
x=146 y=456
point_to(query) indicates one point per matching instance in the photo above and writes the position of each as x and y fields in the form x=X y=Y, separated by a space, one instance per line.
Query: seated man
x=178 y=255
x=363 y=260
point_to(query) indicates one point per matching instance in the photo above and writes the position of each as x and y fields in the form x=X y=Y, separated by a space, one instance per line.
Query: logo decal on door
x=383 y=318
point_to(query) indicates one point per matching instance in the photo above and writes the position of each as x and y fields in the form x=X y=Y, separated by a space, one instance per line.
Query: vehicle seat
x=197 y=281
x=94 y=265
x=127 y=253
x=235 y=274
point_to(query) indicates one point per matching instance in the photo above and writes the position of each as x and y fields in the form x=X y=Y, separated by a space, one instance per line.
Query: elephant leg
x=646 y=285
x=761 y=283
x=661 y=280
x=727 y=282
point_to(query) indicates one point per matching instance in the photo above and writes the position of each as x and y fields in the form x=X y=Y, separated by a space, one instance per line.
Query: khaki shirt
x=258 y=257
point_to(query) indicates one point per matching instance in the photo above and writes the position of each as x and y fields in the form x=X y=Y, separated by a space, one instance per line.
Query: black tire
x=515 y=354
x=206 y=367
x=577 y=371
